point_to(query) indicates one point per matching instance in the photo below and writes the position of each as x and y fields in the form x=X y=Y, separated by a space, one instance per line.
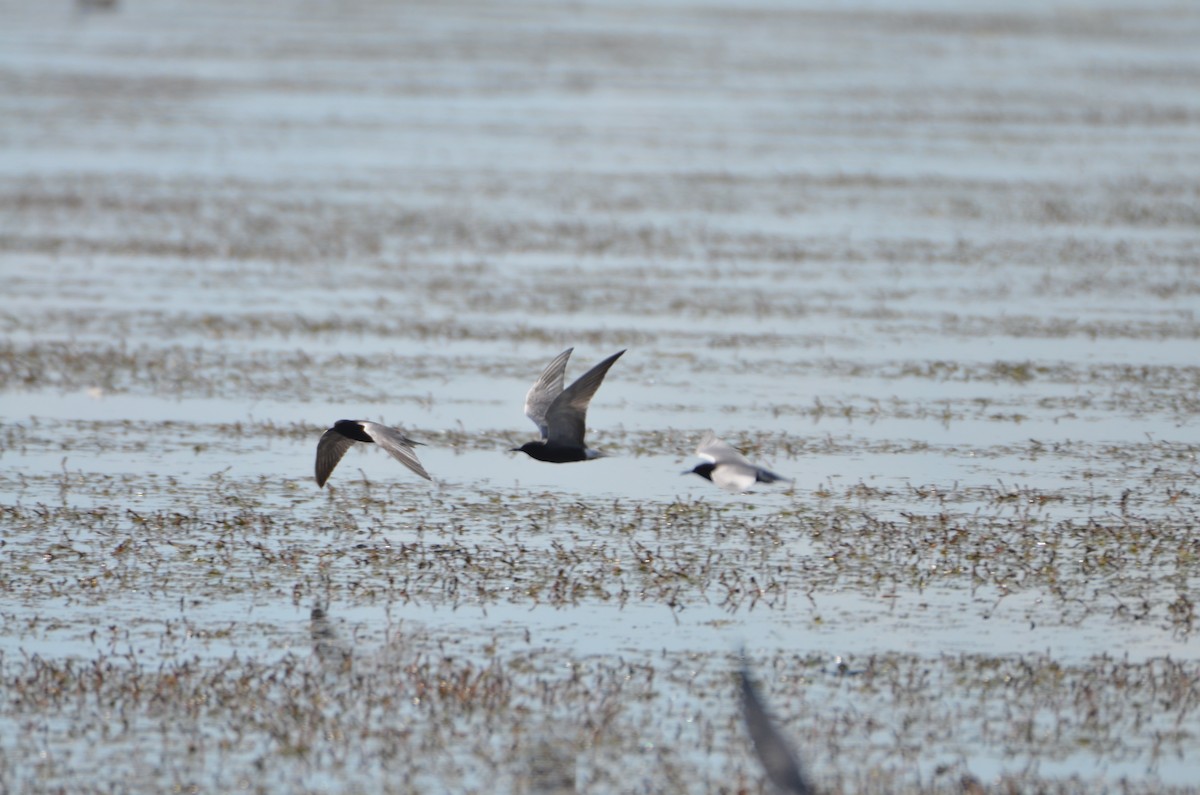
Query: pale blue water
x=774 y=208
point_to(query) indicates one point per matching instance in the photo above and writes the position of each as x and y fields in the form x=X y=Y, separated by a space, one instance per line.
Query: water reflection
x=328 y=647
x=551 y=766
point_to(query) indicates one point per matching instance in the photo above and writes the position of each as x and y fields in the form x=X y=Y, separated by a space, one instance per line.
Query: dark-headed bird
x=561 y=414
x=728 y=468
x=344 y=433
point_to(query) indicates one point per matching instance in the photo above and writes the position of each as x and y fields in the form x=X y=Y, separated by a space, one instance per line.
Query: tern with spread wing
x=561 y=414
x=728 y=468
x=345 y=433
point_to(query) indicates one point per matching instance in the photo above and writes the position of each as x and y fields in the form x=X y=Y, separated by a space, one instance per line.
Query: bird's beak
x=686 y=472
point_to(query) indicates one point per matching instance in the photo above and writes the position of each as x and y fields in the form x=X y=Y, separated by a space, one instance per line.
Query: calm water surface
x=938 y=265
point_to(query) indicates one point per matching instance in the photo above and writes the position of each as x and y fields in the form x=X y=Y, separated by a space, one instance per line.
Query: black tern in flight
x=728 y=468
x=777 y=757
x=344 y=433
x=561 y=414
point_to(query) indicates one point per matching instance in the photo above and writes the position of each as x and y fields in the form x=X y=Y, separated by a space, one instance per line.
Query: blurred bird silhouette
x=777 y=757
x=728 y=468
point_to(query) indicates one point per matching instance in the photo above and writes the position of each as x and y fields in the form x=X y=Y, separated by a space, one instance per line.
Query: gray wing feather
x=776 y=755
x=543 y=392
x=566 y=419
x=396 y=443
x=719 y=452
x=330 y=450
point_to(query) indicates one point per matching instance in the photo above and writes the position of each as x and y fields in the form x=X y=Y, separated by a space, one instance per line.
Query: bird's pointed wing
x=397 y=444
x=330 y=449
x=566 y=419
x=719 y=452
x=773 y=750
x=767 y=476
x=543 y=392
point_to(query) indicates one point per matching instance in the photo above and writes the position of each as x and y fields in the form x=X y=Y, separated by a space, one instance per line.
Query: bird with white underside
x=728 y=468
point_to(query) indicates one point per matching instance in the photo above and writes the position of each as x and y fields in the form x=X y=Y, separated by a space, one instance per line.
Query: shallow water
x=938 y=265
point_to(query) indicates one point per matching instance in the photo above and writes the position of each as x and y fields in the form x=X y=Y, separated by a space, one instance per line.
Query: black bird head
x=704 y=470
x=352 y=429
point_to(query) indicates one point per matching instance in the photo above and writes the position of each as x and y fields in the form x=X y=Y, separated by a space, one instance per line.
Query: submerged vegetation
x=146 y=600
x=224 y=229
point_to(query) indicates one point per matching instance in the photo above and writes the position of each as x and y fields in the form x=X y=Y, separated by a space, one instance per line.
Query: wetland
x=939 y=265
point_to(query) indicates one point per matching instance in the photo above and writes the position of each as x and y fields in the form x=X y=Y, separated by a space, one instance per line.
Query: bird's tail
x=767 y=476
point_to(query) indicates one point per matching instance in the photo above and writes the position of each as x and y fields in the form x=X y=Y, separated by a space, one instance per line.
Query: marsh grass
x=955 y=300
x=209 y=698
